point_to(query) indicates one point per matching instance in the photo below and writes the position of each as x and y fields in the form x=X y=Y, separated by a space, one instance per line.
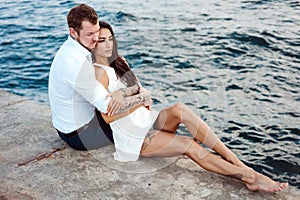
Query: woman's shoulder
x=101 y=66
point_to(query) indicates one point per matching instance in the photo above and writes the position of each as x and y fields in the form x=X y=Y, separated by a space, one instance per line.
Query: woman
x=141 y=131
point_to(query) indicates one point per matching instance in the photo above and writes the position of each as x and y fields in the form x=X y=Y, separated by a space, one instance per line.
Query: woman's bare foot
x=263 y=183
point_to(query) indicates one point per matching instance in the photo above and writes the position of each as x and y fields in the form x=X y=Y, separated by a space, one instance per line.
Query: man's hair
x=80 y=13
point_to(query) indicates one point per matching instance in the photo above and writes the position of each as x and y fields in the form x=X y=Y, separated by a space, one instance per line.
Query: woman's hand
x=116 y=103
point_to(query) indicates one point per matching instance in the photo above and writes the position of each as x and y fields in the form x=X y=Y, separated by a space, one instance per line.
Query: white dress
x=128 y=132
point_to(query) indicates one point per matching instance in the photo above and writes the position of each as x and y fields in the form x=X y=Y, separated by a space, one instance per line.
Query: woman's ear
x=73 y=33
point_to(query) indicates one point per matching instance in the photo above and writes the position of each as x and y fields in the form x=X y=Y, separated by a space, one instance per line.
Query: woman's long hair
x=120 y=66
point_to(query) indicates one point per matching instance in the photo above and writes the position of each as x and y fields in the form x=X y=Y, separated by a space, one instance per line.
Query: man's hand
x=116 y=103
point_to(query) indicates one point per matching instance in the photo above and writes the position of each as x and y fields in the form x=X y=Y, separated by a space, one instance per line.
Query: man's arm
x=88 y=87
x=126 y=103
x=131 y=104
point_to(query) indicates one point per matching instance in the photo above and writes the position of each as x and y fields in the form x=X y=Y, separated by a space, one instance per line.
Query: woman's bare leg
x=164 y=144
x=169 y=119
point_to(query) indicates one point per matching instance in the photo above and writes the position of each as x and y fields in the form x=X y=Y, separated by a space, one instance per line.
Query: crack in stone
x=40 y=157
x=13 y=103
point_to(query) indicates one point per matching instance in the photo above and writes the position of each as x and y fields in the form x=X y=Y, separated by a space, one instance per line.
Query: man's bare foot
x=264 y=183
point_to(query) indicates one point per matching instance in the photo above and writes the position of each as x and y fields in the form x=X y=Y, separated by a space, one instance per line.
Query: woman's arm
x=109 y=119
x=129 y=91
x=128 y=104
x=131 y=104
x=117 y=104
x=102 y=77
x=137 y=88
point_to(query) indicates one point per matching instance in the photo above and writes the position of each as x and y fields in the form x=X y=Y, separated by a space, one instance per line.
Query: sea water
x=235 y=63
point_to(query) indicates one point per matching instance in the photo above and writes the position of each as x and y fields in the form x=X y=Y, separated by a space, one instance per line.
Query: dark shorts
x=97 y=133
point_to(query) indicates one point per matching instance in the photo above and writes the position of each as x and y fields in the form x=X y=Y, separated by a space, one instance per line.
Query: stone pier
x=36 y=164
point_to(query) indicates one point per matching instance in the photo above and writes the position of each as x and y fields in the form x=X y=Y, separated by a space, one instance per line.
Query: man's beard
x=78 y=40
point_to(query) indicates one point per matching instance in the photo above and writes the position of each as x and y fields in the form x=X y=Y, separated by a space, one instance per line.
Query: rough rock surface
x=36 y=164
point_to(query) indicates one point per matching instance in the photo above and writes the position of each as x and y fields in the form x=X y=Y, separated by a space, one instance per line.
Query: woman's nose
x=107 y=43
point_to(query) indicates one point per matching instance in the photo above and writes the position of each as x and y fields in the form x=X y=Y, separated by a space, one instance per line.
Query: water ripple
x=235 y=64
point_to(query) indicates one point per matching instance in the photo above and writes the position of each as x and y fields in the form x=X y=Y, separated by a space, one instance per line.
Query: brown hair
x=80 y=13
x=117 y=62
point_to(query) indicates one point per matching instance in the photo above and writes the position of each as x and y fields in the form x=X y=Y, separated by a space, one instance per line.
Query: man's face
x=88 y=35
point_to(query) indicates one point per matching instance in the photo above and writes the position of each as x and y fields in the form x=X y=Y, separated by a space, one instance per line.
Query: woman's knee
x=176 y=111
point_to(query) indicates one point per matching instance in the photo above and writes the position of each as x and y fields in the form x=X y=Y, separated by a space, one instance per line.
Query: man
x=74 y=93
x=76 y=97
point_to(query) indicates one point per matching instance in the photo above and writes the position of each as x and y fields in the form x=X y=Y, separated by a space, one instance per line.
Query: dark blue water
x=235 y=63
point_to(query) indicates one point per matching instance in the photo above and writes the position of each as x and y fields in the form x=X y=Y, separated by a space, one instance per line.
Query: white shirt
x=73 y=89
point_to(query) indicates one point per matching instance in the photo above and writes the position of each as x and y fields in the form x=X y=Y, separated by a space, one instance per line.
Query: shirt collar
x=80 y=48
